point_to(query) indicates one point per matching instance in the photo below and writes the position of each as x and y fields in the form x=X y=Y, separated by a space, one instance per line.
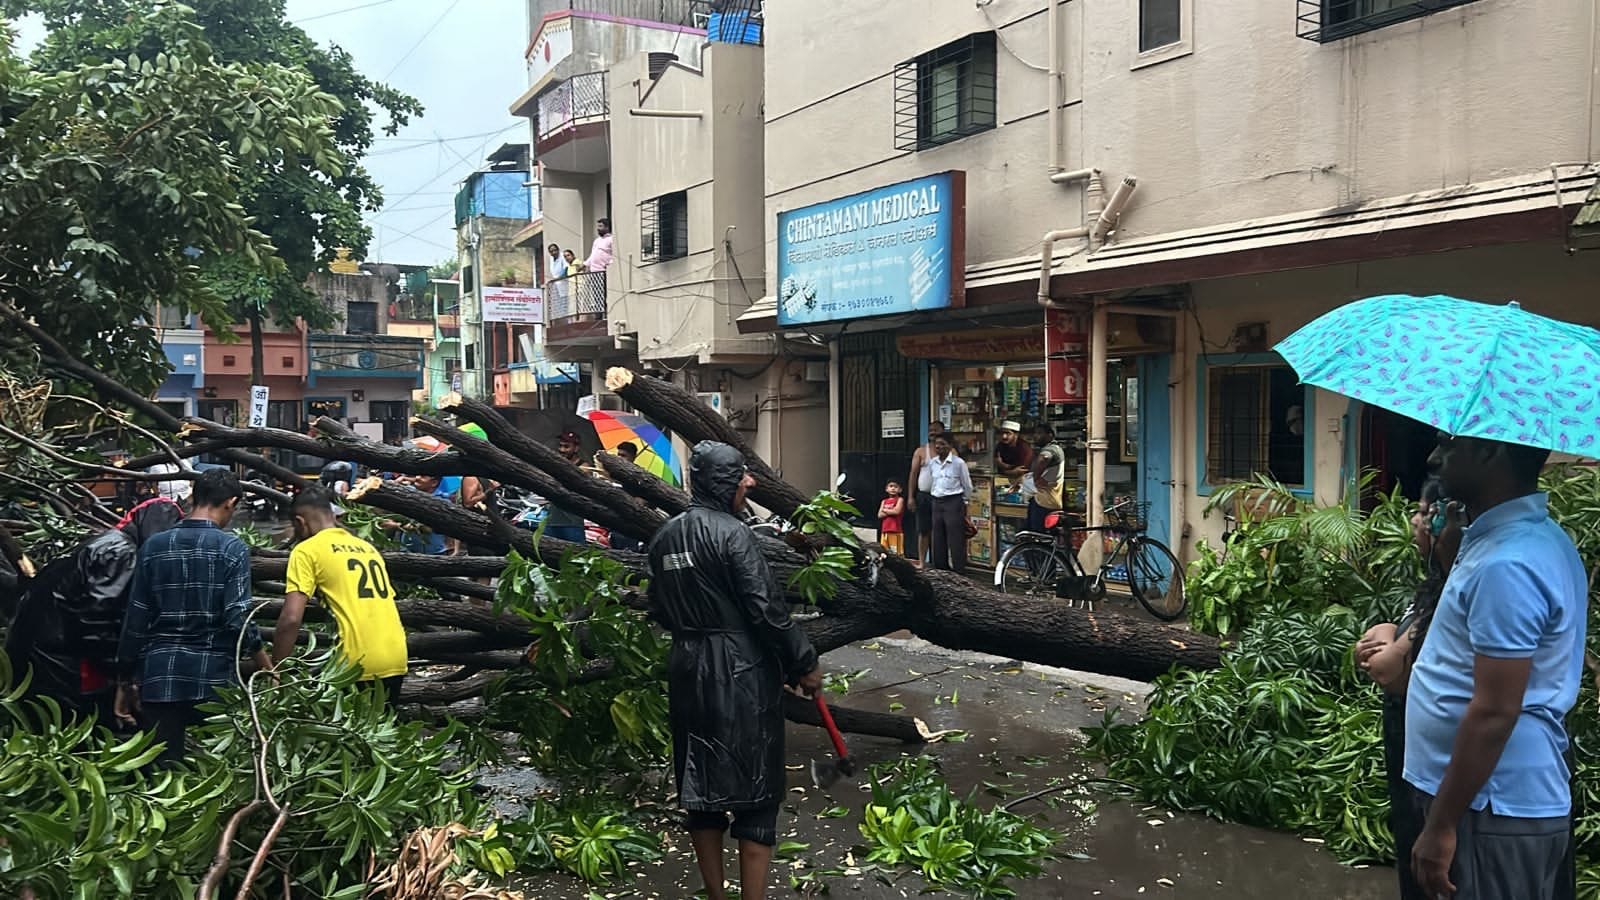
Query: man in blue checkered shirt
x=189 y=605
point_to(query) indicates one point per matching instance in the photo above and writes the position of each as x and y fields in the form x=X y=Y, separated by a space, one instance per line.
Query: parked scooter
x=523 y=509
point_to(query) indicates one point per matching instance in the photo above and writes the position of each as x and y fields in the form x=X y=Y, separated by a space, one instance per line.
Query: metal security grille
x=875 y=377
x=1248 y=424
x=1330 y=20
x=664 y=227
x=945 y=94
x=579 y=99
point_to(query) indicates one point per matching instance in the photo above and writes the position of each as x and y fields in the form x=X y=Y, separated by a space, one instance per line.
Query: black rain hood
x=715 y=470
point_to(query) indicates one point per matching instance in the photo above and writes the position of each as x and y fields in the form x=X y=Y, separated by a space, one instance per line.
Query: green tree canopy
x=118 y=172
x=308 y=204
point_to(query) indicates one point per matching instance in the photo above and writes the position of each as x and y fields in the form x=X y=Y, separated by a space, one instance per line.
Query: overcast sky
x=463 y=60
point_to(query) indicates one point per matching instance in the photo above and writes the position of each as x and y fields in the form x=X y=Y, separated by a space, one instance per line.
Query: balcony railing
x=580 y=295
x=579 y=99
x=364 y=356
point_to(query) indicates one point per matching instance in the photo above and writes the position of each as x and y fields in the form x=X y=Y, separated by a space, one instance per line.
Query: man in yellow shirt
x=350 y=577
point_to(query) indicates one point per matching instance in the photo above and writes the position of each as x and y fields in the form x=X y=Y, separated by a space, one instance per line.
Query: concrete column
x=1093 y=549
x=833 y=411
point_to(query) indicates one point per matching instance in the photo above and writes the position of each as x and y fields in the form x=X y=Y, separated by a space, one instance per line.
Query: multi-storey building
x=649 y=115
x=1187 y=183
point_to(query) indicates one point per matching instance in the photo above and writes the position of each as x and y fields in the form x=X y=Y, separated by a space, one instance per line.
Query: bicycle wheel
x=1155 y=578
x=1030 y=570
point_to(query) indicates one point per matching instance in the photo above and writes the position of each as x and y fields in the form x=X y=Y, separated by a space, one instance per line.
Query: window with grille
x=664 y=227
x=1330 y=20
x=946 y=94
x=394 y=414
x=1255 y=424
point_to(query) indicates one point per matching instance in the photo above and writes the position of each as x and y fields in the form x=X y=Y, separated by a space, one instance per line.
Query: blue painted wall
x=1155 y=442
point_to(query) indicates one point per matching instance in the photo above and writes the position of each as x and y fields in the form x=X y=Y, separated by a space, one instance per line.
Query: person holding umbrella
x=1486 y=745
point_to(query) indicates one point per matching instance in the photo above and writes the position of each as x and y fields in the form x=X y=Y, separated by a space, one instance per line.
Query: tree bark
x=62 y=360
x=683 y=412
x=855 y=721
x=645 y=486
x=258 y=353
x=581 y=493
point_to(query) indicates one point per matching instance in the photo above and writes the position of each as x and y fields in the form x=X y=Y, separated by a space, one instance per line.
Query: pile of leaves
x=916 y=822
x=355 y=781
x=1286 y=733
x=1303 y=557
x=581 y=618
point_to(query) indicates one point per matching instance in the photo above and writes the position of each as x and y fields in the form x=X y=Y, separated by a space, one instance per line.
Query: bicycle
x=1046 y=563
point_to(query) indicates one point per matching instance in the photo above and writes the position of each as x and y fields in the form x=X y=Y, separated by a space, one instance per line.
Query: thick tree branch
x=681 y=411
x=647 y=487
x=592 y=498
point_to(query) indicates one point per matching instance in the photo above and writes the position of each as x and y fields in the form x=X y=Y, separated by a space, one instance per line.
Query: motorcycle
x=523 y=509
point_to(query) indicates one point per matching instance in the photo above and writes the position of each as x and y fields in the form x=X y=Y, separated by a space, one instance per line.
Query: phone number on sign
x=859 y=303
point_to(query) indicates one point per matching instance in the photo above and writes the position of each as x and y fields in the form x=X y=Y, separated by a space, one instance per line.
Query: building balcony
x=572 y=121
x=364 y=356
x=576 y=309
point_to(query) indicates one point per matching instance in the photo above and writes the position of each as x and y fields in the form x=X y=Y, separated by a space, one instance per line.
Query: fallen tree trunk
x=600 y=502
x=59 y=358
x=856 y=721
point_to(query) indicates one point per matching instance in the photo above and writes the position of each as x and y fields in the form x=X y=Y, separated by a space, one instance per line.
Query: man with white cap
x=1012 y=456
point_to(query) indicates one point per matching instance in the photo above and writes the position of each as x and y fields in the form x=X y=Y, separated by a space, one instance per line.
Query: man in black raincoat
x=734 y=647
x=70 y=617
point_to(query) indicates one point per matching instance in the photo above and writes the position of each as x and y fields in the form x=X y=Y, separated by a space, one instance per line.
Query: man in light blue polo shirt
x=1485 y=739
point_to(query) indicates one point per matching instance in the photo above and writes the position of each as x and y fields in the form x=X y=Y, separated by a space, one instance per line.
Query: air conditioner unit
x=611 y=402
x=720 y=403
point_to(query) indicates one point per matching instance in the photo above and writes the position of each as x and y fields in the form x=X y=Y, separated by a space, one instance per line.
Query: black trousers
x=757 y=825
x=950 y=533
x=170 y=722
x=391 y=690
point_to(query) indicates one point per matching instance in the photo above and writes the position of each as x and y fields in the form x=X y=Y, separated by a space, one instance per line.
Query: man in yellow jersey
x=350 y=577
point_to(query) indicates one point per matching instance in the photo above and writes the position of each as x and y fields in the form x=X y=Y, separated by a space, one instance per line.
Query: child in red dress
x=890 y=533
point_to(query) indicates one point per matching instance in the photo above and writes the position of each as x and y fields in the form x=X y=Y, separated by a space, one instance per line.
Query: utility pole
x=475 y=246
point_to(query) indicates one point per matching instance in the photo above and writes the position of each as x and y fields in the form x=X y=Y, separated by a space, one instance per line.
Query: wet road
x=1022 y=727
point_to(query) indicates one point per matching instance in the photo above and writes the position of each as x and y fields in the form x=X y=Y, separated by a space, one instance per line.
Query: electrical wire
x=407 y=55
x=340 y=12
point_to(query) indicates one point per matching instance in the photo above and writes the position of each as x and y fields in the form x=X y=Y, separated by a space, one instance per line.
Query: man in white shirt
x=177 y=490
x=950 y=484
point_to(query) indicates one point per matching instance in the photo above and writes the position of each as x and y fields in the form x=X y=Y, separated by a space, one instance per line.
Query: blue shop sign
x=894 y=249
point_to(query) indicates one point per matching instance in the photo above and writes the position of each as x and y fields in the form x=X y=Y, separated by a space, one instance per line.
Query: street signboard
x=258 y=406
x=516 y=305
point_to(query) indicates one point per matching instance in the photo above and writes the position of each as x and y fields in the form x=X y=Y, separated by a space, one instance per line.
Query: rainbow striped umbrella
x=655 y=448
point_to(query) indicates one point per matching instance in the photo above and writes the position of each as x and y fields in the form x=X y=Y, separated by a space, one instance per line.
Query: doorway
x=1396 y=449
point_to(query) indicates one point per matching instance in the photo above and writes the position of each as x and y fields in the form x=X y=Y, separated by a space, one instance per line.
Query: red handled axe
x=826 y=773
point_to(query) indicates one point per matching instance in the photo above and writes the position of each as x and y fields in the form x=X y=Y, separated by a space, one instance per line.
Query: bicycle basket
x=1132 y=517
